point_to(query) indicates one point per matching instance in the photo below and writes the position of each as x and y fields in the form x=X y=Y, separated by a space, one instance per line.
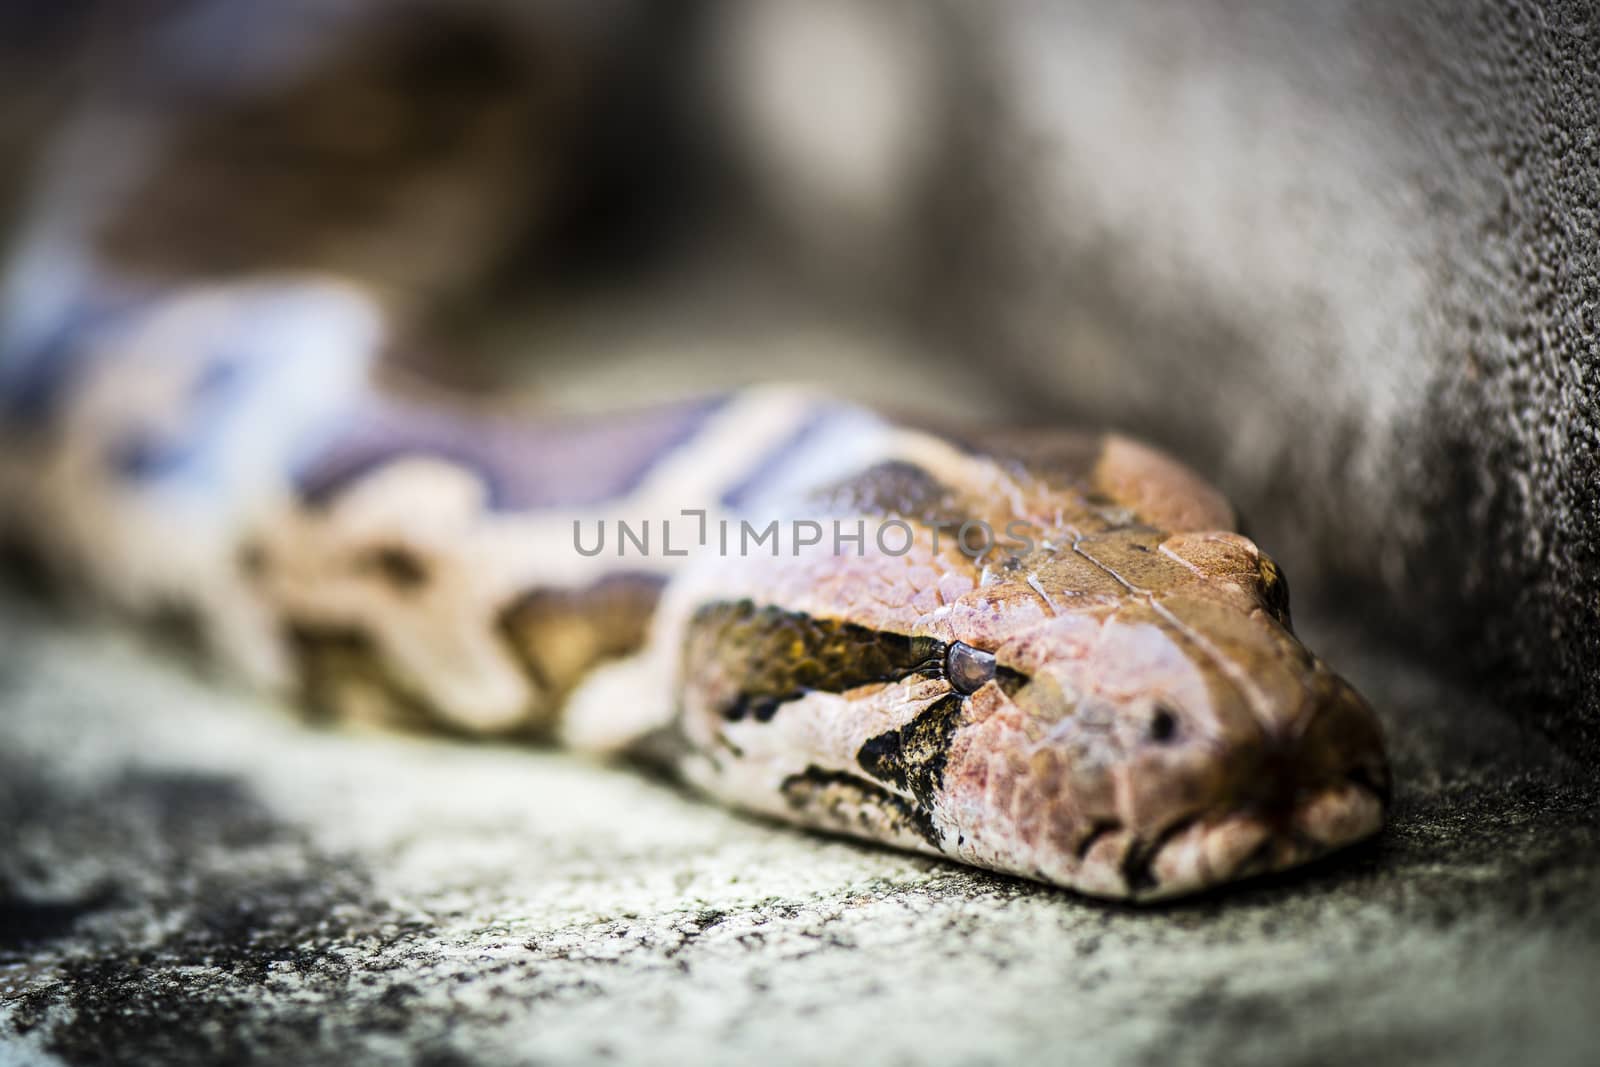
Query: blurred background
x=1342 y=257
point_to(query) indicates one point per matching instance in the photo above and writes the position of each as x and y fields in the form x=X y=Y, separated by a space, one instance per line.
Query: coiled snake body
x=1046 y=654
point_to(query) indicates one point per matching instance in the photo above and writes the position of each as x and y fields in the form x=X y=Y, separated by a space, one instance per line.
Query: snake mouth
x=1201 y=851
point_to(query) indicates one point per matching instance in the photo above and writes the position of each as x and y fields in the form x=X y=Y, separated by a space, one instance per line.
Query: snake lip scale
x=1116 y=704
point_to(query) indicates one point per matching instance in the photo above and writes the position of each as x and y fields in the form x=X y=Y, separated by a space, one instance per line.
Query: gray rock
x=189 y=876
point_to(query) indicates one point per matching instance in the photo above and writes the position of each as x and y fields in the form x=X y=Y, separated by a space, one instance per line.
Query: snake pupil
x=968 y=668
x=1275 y=590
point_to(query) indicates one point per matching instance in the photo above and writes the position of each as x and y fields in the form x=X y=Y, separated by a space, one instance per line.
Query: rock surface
x=190 y=876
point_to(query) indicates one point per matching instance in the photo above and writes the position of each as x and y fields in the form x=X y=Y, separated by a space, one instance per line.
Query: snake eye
x=968 y=668
x=1275 y=590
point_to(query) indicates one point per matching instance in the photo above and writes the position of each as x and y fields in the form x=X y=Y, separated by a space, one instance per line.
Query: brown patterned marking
x=559 y=635
x=1131 y=558
x=253 y=560
x=399 y=567
x=343 y=677
x=1158 y=489
x=181 y=628
x=846 y=802
x=1217 y=565
x=752 y=659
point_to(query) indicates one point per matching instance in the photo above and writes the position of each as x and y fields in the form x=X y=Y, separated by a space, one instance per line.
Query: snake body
x=1043 y=653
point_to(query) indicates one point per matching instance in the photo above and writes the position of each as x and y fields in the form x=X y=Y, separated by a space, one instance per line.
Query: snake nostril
x=1163 y=725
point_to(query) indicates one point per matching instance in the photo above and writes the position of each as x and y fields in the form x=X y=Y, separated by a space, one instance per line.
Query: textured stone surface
x=192 y=877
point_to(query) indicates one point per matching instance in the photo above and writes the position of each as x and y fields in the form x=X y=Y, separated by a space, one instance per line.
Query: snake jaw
x=1200 y=852
x=1246 y=844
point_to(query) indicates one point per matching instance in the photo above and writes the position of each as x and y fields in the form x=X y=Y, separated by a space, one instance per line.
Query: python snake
x=1044 y=653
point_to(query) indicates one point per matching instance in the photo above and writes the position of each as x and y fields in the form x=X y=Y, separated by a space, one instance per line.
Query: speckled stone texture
x=191 y=877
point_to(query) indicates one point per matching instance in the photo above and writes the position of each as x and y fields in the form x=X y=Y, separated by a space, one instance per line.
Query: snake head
x=1115 y=703
x=1162 y=737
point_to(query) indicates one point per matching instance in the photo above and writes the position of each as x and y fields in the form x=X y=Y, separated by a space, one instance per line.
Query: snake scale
x=1042 y=653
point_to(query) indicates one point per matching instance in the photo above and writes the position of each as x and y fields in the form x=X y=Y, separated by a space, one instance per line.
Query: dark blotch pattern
x=753 y=658
x=397 y=566
x=253 y=560
x=341 y=665
x=912 y=758
x=847 y=802
x=559 y=635
x=179 y=629
x=1275 y=591
x=895 y=488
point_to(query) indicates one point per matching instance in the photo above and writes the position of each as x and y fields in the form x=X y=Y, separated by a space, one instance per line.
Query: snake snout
x=1341 y=744
x=1247 y=842
x=1317 y=784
